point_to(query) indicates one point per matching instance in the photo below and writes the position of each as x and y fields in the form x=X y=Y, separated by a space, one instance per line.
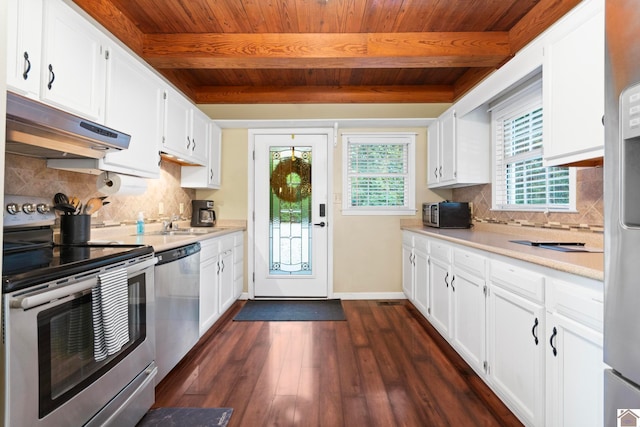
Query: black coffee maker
x=202 y=213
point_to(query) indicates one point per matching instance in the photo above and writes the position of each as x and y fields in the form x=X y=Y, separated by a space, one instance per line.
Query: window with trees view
x=521 y=181
x=378 y=174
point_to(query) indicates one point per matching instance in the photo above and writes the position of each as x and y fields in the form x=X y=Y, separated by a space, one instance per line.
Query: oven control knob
x=42 y=208
x=13 y=208
x=28 y=208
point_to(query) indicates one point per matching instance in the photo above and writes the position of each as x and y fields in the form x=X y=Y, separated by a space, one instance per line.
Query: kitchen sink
x=194 y=231
x=557 y=246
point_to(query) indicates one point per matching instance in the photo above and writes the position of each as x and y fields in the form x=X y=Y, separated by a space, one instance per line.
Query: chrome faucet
x=169 y=225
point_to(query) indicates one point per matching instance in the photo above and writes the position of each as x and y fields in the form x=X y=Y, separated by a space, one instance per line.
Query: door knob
x=320 y=224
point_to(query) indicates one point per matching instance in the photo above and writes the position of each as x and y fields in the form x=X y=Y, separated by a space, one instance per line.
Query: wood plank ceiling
x=325 y=51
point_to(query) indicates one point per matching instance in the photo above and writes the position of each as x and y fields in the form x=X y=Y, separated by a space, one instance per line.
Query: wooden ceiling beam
x=344 y=50
x=322 y=94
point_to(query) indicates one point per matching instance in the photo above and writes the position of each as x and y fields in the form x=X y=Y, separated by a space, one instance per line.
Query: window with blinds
x=378 y=174
x=521 y=182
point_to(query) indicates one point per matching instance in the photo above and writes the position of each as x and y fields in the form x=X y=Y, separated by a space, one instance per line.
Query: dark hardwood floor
x=384 y=366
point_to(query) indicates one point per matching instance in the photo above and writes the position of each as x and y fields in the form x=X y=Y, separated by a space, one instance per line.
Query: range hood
x=38 y=130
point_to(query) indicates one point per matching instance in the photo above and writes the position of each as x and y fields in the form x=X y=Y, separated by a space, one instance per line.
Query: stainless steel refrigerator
x=622 y=209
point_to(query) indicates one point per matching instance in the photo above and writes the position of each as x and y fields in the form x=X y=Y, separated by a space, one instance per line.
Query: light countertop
x=126 y=234
x=496 y=239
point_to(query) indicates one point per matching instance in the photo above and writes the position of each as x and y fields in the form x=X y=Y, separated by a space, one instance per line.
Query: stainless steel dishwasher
x=177 y=292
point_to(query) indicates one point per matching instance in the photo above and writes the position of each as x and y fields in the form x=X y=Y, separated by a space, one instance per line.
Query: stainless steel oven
x=62 y=365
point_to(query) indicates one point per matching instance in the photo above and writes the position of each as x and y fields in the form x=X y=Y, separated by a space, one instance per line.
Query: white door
x=291 y=215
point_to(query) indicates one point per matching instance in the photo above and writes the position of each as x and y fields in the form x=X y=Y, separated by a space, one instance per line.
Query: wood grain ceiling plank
x=323 y=94
x=355 y=50
x=352 y=15
x=513 y=14
x=120 y=24
x=542 y=16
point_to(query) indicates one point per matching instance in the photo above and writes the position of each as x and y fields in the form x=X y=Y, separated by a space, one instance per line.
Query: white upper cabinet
x=459 y=149
x=54 y=55
x=24 y=49
x=205 y=176
x=199 y=136
x=573 y=87
x=73 y=67
x=185 y=133
x=177 y=138
x=135 y=105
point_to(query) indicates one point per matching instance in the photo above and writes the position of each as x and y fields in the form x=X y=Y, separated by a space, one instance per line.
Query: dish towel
x=110 y=312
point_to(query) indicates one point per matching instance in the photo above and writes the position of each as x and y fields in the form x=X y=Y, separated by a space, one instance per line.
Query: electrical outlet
x=337 y=197
x=181 y=208
x=160 y=208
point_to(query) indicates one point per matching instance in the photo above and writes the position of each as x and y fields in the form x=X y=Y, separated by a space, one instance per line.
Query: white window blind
x=521 y=181
x=378 y=174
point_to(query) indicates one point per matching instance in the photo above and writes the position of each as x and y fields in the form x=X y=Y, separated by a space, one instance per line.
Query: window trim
x=408 y=138
x=529 y=93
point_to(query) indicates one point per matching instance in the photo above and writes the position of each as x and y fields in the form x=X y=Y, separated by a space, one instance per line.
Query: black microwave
x=446 y=214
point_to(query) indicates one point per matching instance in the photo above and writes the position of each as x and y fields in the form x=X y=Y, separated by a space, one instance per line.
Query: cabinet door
x=439 y=300
x=447 y=147
x=135 y=106
x=238 y=265
x=575 y=369
x=574 y=89
x=421 y=285
x=225 y=279
x=407 y=271
x=433 y=160
x=24 y=38
x=215 y=156
x=177 y=123
x=209 y=305
x=516 y=353
x=200 y=137
x=468 y=328
x=74 y=62
x=205 y=176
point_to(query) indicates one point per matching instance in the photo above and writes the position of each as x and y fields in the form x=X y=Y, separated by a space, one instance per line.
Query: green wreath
x=286 y=191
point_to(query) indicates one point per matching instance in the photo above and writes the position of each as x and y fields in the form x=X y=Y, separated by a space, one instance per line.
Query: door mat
x=181 y=417
x=277 y=311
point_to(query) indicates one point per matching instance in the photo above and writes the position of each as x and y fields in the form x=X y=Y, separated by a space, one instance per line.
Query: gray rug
x=278 y=311
x=186 y=417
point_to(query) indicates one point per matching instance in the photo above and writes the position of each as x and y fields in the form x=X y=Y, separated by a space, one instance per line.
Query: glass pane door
x=290 y=211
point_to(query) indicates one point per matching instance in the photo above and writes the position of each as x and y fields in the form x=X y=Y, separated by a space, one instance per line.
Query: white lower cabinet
x=220 y=259
x=225 y=274
x=408 y=269
x=574 y=362
x=533 y=334
x=439 y=286
x=421 y=265
x=238 y=264
x=516 y=353
x=468 y=297
x=574 y=373
x=209 y=306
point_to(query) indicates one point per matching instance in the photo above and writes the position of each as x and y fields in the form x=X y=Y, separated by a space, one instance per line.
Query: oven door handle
x=34 y=299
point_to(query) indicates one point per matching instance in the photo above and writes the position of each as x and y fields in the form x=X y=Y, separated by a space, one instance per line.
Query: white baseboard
x=369 y=295
x=353 y=295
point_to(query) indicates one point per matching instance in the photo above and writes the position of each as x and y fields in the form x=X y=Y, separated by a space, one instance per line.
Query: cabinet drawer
x=226 y=243
x=576 y=302
x=472 y=263
x=440 y=250
x=518 y=280
x=407 y=239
